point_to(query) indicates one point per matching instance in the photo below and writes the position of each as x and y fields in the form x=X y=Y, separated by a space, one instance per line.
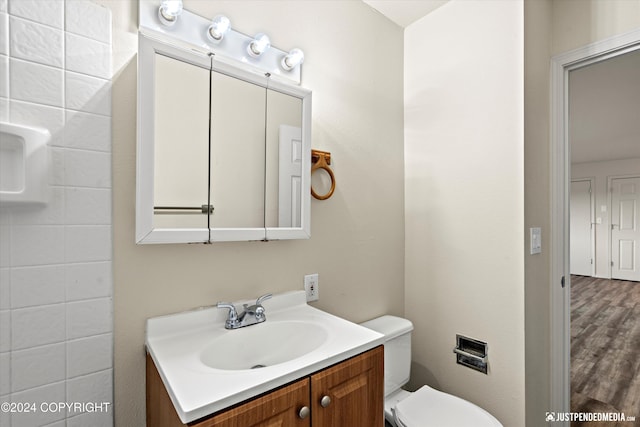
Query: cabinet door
x=280 y=408
x=355 y=389
x=181 y=129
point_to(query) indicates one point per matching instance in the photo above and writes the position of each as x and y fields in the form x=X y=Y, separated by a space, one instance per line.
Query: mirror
x=223 y=153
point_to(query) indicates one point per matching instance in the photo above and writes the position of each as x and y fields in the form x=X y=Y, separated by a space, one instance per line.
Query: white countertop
x=176 y=342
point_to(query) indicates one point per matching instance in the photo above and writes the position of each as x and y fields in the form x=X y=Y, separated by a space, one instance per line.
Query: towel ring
x=322 y=160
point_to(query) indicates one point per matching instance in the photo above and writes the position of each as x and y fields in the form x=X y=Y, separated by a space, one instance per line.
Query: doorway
x=562 y=66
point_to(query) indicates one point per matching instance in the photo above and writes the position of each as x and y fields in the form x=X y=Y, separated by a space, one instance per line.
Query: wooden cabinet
x=355 y=392
x=350 y=393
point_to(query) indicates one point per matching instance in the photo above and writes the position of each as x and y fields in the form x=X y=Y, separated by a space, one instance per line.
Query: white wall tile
x=46 y=394
x=89 y=280
x=37 y=366
x=100 y=348
x=50 y=214
x=35 y=42
x=88 y=243
x=5 y=417
x=87 y=131
x=5 y=289
x=87 y=318
x=5 y=246
x=36 y=326
x=91 y=388
x=4 y=33
x=57 y=165
x=49 y=12
x=88 y=56
x=36 y=83
x=62 y=252
x=89 y=20
x=50 y=118
x=37 y=244
x=4 y=76
x=5 y=216
x=88 y=94
x=93 y=419
x=5 y=331
x=4 y=109
x=88 y=206
x=5 y=374
x=87 y=169
x=40 y=285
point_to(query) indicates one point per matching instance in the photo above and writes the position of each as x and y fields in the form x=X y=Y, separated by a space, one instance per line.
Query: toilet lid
x=428 y=406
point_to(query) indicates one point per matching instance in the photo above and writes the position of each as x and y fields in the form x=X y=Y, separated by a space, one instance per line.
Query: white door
x=625 y=230
x=290 y=177
x=580 y=228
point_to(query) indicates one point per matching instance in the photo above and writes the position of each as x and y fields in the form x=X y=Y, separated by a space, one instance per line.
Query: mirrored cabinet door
x=181 y=144
x=223 y=153
x=284 y=160
x=237 y=153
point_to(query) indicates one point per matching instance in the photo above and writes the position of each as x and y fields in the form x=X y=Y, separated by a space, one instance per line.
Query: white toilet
x=424 y=407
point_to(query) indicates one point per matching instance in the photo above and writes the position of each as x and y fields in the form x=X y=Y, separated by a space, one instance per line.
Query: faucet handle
x=232 y=320
x=259 y=309
x=263 y=298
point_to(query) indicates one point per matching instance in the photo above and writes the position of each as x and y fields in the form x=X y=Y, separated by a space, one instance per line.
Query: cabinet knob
x=325 y=401
x=304 y=412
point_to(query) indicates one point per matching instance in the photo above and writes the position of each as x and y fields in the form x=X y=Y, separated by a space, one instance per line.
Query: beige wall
x=577 y=23
x=464 y=199
x=537 y=47
x=357 y=243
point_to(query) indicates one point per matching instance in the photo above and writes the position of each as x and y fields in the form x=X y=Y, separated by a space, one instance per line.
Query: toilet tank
x=397 y=349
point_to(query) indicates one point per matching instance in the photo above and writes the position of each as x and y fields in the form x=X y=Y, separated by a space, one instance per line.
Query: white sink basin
x=263 y=345
x=206 y=368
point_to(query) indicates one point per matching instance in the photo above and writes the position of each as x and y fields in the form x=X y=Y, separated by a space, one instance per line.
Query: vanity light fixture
x=220 y=25
x=169 y=11
x=171 y=19
x=294 y=58
x=259 y=45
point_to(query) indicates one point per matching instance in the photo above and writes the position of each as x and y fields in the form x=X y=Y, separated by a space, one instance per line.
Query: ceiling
x=604 y=110
x=405 y=12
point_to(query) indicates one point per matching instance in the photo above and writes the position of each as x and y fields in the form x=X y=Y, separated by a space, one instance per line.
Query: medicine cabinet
x=223 y=152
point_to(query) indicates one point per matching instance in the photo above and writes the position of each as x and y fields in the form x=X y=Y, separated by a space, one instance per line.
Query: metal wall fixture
x=471 y=353
x=169 y=22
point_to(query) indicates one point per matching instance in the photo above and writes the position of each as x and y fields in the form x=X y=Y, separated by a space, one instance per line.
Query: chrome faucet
x=251 y=315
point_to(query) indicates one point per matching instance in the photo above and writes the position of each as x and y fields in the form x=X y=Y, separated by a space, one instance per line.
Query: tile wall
x=56 y=318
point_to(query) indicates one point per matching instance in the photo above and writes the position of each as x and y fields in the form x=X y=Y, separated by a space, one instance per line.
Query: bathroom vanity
x=351 y=390
x=300 y=367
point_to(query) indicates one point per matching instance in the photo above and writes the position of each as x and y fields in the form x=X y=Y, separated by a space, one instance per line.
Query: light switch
x=535 y=240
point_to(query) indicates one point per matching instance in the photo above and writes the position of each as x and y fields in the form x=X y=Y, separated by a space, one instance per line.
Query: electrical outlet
x=311 y=287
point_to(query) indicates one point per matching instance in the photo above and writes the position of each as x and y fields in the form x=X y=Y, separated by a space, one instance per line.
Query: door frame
x=592 y=211
x=610 y=207
x=560 y=280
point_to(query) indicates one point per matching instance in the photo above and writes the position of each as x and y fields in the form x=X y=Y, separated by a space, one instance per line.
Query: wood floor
x=605 y=348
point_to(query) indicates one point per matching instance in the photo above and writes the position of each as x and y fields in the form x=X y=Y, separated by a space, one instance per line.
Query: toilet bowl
x=426 y=406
